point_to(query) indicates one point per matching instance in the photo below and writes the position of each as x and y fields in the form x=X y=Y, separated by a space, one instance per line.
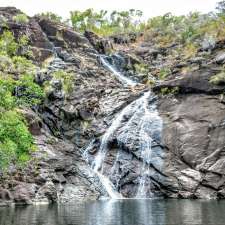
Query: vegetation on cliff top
x=164 y=29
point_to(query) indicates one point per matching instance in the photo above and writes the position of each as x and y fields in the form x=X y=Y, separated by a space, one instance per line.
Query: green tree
x=17 y=89
x=221 y=7
x=105 y=24
x=51 y=16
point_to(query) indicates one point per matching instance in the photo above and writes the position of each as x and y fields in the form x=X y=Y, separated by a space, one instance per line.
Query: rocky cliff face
x=65 y=122
x=193 y=121
x=188 y=151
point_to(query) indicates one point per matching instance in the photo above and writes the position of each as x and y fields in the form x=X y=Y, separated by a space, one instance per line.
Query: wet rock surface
x=193 y=115
x=187 y=152
x=65 y=122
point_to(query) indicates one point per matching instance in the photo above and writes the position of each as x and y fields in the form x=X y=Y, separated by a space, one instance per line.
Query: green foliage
x=67 y=80
x=169 y=91
x=16 y=142
x=218 y=79
x=8 y=46
x=7 y=101
x=22 y=65
x=21 y=18
x=163 y=73
x=141 y=68
x=29 y=92
x=221 y=6
x=51 y=16
x=104 y=24
x=17 y=89
x=188 y=31
x=21 y=92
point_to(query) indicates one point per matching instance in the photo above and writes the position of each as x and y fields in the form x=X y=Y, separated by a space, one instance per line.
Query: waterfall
x=126 y=81
x=139 y=118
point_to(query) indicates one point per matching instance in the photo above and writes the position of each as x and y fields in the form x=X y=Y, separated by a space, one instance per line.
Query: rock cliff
x=188 y=152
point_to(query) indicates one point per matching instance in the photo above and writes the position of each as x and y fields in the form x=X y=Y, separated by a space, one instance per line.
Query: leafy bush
x=17 y=89
x=28 y=92
x=22 y=65
x=218 y=79
x=188 y=31
x=169 y=91
x=16 y=142
x=7 y=101
x=141 y=68
x=51 y=16
x=21 y=18
x=66 y=78
x=163 y=73
x=105 y=24
x=8 y=45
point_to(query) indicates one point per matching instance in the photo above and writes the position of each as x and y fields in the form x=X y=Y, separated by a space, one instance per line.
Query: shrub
x=8 y=45
x=66 y=78
x=7 y=101
x=22 y=65
x=218 y=79
x=169 y=91
x=190 y=50
x=141 y=68
x=17 y=89
x=163 y=73
x=16 y=142
x=21 y=18
x=28 y=93
x=106 y=24
x=51 y=16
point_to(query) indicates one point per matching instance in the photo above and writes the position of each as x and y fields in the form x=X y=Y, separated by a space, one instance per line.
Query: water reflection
x=119 y=212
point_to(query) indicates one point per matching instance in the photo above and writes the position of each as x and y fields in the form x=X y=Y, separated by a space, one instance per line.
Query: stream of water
x=126 y=81
x=147 y=121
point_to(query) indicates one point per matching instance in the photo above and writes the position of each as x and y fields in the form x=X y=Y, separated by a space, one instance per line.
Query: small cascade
x=137 y=128
x=97 y=164
x=126 y=81
x=107 y=184
x=112 y=192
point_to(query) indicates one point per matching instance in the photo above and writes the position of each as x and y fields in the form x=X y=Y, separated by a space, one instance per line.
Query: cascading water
x=126 y=81
x=141 y=119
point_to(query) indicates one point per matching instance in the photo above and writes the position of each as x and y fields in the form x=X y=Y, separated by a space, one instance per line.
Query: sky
x=149 y=7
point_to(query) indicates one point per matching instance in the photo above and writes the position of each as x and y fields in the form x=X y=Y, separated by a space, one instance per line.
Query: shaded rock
x=213 y=180
x=205 y=193
x=195 y=82
x=125 y=38
x=48 y=190
x=103 y=46
x=40 y=45
x=34 y=122
x=5 y=195
x=62 y=36
x=23 y=193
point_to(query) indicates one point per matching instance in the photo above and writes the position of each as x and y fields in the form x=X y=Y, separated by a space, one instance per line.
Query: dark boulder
x=195 y=82
x=102 y=45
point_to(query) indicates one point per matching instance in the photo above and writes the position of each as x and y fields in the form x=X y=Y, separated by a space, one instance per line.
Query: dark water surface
x=120 y=212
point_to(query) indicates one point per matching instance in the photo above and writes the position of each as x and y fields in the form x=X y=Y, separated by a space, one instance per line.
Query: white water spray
x=147 y=122
x=126 y=81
